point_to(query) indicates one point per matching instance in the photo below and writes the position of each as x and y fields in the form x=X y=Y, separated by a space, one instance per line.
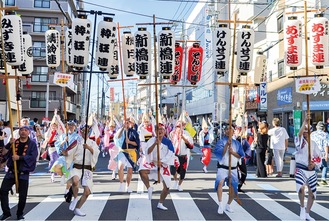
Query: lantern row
x=136 y=51
x=17 y=47
x=319 y=41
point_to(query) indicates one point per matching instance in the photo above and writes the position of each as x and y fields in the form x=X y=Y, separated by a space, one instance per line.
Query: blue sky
x=130 y=12
x=142 y=11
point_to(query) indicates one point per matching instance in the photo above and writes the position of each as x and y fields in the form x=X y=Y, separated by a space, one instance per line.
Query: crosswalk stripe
x=267 y=187
x=139 y=207
x=316 y=208
x=272 y=206
x=140 y=185
x=239 y=212
x=185 y=207
x=93 y=207
x=44 y=208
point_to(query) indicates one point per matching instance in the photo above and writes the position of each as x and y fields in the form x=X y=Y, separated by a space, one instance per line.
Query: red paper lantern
x=177 y=75
x=195 y=55
x=293 y=42
x=319 y=40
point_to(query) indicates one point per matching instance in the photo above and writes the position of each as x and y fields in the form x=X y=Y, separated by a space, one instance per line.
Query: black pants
x=260 y=155
x=243 y=171
x=6 y=186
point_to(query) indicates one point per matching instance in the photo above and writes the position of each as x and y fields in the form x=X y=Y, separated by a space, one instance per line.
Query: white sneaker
x=52 y=178
x=302 y=214
x=161 y=206
x=220 y=209
x=205 y=169
x=308 y=217
x=73 y=204
x=149 y=192
x=113 y=175
x=78 y=212
x=179 y=188
x=121 y=188
x=175 y=185
x=128 y=190
x=63 y=180
x=228 y=208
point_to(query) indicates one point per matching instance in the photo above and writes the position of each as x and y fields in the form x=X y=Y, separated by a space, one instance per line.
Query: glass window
x=280 y=68
x=42 y=3
x=10 y=3
x=42 y=24
x=38 y=98
x=280 y=23
x=39 y=49
x=40 y=74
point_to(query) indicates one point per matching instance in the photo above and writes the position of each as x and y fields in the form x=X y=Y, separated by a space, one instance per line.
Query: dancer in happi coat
x=145 y=131
x=306 y=171
x=50 y=138
x=183 y=143
x=65 y=143
x=25 y=155
x=127 y=139
x=112 y=148
x=223 y=148
x=149 y=169
x=82 y=169
x=206 y=137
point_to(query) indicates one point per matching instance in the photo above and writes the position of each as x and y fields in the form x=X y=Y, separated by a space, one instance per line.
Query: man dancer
x=75 y=155
x=223 y=148
x=306 y=174
x=26 y=159
x=182 y=142
x=206 y=137
x=321 y=138
x=127 y=139
x=148 y=170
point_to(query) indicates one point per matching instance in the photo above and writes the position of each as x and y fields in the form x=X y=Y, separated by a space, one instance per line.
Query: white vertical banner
x=263 y=96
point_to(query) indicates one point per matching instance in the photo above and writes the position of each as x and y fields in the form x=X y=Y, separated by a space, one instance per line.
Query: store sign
x=297 y=121
x=284 y=96
x=263 y=96
x=324 y=91
x=316 y=105
x=307 y=85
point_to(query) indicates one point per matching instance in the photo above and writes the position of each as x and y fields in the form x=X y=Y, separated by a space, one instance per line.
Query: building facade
x=39 y=95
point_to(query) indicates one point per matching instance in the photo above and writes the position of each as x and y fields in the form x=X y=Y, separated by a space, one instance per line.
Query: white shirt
x=279 y=136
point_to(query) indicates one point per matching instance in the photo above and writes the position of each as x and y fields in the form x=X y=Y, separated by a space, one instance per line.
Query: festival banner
x=307 y=85
x=63 y=80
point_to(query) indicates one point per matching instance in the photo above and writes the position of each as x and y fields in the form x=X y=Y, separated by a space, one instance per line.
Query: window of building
x=39 y=49
x=280 y=68
x=280 y=23
x=42 y=3
x=42 y=24
x=38 y=98
x=40 y=74
x=270 y=76
x=10 y=3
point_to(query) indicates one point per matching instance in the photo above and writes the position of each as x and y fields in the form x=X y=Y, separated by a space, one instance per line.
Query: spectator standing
x=279 y=142
x=261 y=148
x=321 y=138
